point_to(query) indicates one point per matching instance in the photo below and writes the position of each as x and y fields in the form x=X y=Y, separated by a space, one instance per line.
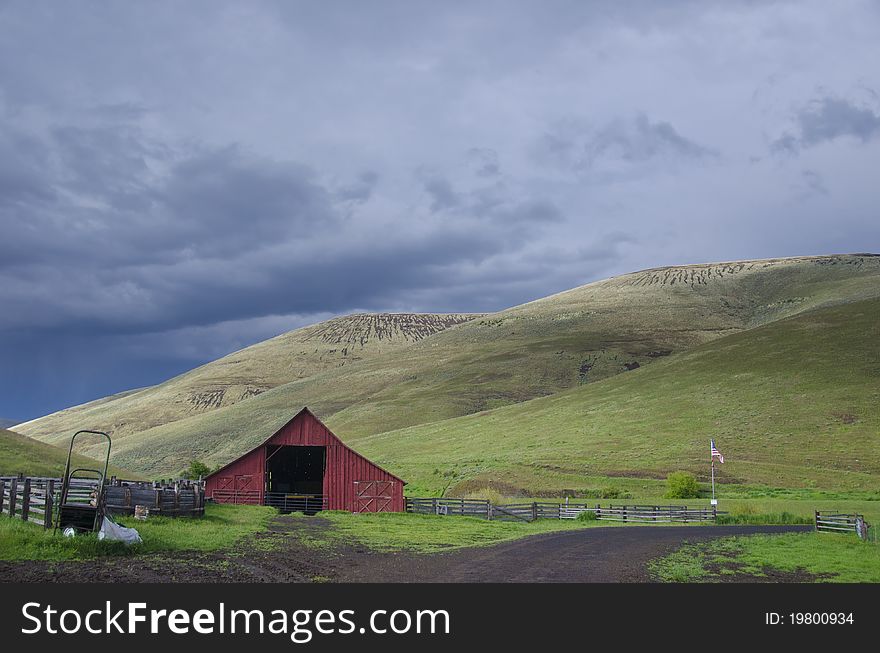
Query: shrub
x=196 y=469
x=588 y=515
x=614 y=493
x=682 y=485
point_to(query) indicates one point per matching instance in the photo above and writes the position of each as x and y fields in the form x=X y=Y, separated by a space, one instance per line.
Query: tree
x=197 y=469
x=682 y=485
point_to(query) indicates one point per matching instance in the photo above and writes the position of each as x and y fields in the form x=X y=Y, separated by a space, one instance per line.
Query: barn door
x=373 y=496
x=246 y=490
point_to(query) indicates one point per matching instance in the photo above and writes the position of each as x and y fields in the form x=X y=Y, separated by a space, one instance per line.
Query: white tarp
x=110 y=530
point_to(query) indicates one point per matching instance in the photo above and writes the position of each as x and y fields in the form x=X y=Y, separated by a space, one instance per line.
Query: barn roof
x=305 y=410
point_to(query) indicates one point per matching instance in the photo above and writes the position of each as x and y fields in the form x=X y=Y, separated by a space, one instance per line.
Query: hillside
x=795 y=403
x=20 y=454
x=578 y=337
x=246 y=373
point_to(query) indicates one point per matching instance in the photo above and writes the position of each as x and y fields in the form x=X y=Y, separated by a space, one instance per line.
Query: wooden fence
x=28 y=499
x=174 y=499
x=550 y=510
x=833 y=522
x=35 y=499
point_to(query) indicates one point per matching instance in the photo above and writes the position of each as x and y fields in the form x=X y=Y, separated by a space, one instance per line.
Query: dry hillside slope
x=246 y=373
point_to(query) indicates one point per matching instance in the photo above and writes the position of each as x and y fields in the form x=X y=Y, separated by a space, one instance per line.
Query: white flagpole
x=712 y=459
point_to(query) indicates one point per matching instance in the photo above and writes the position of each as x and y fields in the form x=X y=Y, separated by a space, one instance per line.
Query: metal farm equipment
x=81 y=505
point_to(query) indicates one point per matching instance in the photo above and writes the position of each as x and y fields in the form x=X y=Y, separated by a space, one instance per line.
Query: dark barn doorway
x=295 y=477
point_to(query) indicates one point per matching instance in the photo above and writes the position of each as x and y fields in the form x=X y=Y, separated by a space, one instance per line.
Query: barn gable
x=305 y=462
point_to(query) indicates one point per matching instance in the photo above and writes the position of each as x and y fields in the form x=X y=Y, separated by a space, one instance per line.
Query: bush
x=196 y=469
x=682 y=485
x=588 y=515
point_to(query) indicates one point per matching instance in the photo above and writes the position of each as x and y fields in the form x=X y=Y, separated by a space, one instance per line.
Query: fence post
x=50 y=499
x=13 y=491
x=817 y=520
x=534 y=510
x=2 y=492
x=26 y=499
x=488 y=510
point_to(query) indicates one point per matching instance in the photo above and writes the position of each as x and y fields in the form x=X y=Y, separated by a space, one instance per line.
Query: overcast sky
x=179 y=180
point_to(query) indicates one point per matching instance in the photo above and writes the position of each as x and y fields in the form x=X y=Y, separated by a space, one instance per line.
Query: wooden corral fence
x=35 y=499
x=550 y=510
x=834 y=522
x=29 y=499
x=181 y=498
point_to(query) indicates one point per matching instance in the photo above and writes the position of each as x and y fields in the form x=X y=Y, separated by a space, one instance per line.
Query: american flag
x=715 y=452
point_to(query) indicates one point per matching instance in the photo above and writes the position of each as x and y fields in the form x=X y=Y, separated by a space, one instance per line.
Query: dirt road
x=612 y=554
x=596 y=555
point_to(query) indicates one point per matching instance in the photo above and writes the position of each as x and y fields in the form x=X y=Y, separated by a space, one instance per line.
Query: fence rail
x=551 y=510
x=35 y=498
x=834 y=522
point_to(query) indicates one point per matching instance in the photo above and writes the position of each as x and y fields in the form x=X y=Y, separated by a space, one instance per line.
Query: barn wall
x=234 y=476
x=344 y=466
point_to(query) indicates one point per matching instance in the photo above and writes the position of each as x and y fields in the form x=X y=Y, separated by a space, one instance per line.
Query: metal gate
x=373 y=496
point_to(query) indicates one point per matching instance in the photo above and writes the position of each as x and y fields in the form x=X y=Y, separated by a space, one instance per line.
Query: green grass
x=793 y=404
x=828 y=557
x=220 y=528
x=611 y=427
x=24 y=455
x=429 y=533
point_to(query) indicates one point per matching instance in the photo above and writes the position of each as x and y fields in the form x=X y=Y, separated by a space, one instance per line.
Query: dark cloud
x=177 y=181
x=638 y=141
x=827 y=119
x=620 y=148
x=441 y=193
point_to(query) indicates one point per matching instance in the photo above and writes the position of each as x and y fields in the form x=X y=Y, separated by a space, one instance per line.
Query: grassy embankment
x=23 y=455
x=823 y=557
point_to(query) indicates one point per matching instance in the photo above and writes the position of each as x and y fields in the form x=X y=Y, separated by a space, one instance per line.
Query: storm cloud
x=179 y=181
x=830 y=118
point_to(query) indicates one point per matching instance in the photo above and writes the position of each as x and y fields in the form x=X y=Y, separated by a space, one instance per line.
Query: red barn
x=304 y=466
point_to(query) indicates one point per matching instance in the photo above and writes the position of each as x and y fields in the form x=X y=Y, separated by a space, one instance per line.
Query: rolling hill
x=23 y=455
x=626 y=324
x=246 y=373
x=791 y=404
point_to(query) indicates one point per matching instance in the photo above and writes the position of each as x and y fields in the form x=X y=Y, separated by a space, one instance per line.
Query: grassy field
x=824 y=556
x=429 y=533
x=220 y=528
x=23 y=455
x=571 y=340
x=792 y=404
